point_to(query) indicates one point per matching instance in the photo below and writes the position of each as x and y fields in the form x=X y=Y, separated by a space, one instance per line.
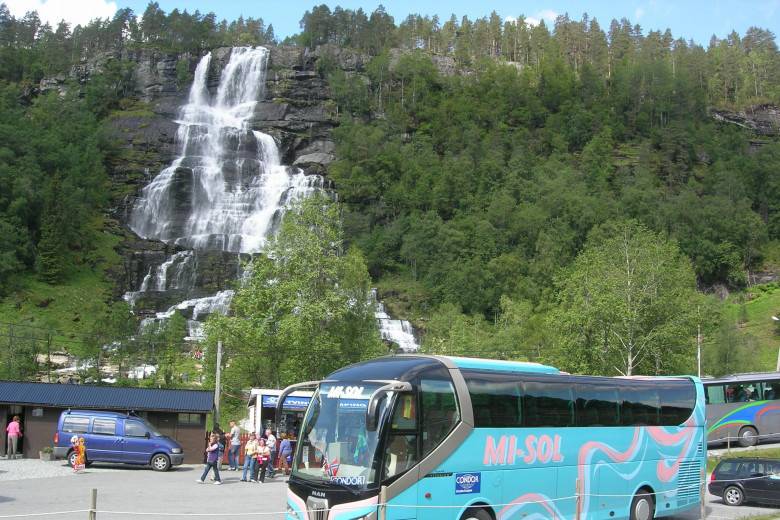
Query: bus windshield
x=335 y=446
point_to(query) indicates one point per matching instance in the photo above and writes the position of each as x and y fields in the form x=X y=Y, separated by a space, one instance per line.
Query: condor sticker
x=467 y=483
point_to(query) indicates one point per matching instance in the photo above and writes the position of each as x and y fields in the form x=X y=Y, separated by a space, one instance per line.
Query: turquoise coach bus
x=435 y=437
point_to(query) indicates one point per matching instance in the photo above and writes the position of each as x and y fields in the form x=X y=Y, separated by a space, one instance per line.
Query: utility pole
x=777 y=368
x=216 y=386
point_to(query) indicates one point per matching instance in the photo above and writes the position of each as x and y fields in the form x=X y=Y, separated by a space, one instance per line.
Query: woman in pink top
x=14 y=431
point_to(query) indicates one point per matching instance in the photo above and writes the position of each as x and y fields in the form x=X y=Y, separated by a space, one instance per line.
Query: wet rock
x=763 y=120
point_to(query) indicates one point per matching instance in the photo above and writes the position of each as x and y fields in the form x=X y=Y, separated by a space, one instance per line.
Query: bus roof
x=746 y=377
x=505 y=366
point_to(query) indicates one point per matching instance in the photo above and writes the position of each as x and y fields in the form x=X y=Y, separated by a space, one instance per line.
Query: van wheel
x=476 y=513
x=161 y=462
x=748 y=436
x=733 y=496
x=72 y=458
x=642 y=507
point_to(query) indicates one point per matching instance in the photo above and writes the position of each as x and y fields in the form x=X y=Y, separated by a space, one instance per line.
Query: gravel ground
x=22 y=469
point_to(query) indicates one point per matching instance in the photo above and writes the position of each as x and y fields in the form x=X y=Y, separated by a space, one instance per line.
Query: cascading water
x=395 y=331
x=227 y=188
x=226 y=191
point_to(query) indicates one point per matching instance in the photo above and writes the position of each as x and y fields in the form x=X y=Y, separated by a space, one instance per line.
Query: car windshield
x=335 y=445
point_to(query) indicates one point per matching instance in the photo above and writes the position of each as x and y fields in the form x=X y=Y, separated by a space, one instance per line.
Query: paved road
x=126 y=488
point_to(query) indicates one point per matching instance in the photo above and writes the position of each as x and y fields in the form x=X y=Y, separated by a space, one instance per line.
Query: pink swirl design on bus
x=530 y=499
x=589 y=449
x=684 y=436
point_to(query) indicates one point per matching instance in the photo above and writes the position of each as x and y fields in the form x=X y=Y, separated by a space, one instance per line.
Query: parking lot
x=33 y=486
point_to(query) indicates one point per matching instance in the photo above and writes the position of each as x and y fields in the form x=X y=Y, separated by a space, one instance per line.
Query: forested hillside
x=559 y=193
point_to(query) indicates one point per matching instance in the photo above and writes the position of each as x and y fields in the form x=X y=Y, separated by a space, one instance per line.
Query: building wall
x=188 y=429
x=38 y=430
x=3 y=424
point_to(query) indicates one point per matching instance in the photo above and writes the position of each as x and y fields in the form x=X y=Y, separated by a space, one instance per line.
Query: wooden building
x=180 y=414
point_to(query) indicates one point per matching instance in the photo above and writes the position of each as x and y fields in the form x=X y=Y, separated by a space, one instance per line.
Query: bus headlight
x=292 y=512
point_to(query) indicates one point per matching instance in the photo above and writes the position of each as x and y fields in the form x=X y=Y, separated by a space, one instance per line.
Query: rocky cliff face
x=763 y=120
x=297 y=111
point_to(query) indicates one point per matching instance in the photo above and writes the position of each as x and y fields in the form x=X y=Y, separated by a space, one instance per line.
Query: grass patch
x=69 y=309
x=751 y=311
x=769 y=453
x=773 y=516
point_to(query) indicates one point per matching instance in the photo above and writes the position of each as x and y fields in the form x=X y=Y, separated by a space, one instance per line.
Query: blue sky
x=697 y=20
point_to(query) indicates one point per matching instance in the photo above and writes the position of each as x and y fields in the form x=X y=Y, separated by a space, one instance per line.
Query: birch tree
x=627 y=306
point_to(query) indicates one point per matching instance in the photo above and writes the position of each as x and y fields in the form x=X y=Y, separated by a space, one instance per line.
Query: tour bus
x=743 y=408
x=415 y=437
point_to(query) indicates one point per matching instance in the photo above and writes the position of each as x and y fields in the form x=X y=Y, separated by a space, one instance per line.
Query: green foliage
x=626 y=305
x=305 y=310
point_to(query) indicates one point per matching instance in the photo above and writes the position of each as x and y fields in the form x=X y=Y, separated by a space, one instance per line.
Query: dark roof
x=105 y=397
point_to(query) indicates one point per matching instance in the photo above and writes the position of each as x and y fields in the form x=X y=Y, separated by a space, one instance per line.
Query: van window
x=104 y=426
x=72 y=424
x=135 y=429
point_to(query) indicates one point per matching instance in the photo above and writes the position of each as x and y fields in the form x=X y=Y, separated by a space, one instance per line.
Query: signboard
x=290 y=403
x=467 y=483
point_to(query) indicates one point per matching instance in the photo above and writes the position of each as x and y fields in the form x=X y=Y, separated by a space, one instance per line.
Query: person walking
x=250 y=452
x=270 y=441
x=212 y=456
x=235 y=446
x=13 y=432
x=263 y=456
x=285 y=454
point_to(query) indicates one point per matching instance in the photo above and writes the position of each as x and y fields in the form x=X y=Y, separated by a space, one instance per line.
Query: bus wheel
x=642 y=507
x=476 y=513
x=748 y=436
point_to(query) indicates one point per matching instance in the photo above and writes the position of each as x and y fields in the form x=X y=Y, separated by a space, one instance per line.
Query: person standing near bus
x=13 y=433
x=235 y=446
x=270 y=441
x=250 y=452
x=285 y=454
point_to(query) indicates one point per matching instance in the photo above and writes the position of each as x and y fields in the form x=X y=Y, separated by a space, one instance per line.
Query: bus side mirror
x=372 y=421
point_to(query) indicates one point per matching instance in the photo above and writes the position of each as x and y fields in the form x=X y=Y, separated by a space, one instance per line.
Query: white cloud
x=639 y=13
x=548 y=15
x=75 y=12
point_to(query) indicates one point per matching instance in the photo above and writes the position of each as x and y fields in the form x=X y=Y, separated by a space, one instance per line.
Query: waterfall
x=227 y=190
x=395 y=331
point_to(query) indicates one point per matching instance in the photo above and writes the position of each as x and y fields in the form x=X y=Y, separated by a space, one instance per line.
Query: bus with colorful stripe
x=415 y=437
x=743 y=408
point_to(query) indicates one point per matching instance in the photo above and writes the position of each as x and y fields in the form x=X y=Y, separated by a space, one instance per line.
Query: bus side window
x=439 y=412
x=548 y=404
x=640 y=405
x=715 y=394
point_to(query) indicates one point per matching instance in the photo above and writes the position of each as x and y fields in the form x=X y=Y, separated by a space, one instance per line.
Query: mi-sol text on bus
x=417 y=437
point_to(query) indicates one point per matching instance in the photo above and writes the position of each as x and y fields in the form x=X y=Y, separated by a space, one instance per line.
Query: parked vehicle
x=116 y=437
x=746 y=480
x=742 y=408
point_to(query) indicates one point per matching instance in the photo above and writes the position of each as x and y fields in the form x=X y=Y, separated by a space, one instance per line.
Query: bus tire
x=476 y=513
x=642 y=506
x=733 y=496
x=748 y=436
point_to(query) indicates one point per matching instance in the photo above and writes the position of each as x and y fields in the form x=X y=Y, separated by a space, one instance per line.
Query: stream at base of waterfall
x=226 y=191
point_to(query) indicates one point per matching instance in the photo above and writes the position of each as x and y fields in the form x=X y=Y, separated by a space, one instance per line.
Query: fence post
x=702 y=490
x=382 y=512
x=93 y=505
x=577 y=499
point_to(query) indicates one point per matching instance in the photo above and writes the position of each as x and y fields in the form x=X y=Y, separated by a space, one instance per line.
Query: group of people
x=259 y=454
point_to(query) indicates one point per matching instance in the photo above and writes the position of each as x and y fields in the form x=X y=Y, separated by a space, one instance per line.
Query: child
x=212 y=459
